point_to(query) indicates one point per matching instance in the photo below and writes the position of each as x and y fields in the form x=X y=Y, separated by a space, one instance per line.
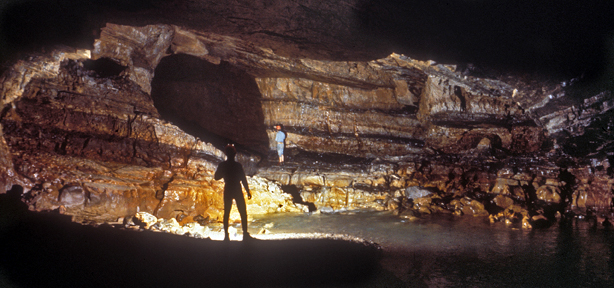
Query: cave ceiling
x=564 y=40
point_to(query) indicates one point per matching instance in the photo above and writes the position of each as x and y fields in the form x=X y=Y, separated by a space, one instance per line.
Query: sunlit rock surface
x=86 y=132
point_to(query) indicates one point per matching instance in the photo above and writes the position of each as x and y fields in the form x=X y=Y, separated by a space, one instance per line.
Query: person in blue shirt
x=233 y=175
x=280 y=137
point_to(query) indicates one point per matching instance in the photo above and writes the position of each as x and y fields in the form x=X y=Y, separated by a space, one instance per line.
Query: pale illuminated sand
x=219 y=236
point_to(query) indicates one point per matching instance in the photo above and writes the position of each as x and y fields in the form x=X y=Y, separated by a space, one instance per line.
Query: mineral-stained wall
x=96 y=146
x=418 y=137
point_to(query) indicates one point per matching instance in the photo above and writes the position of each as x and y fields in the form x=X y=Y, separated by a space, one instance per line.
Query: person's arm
x=249 y=194
x=244 y=181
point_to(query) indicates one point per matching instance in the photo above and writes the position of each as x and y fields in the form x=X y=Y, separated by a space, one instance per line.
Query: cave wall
x=93 y=145
x=96 y=148
x=6 y=164
x=414 y=106
x=371 y=131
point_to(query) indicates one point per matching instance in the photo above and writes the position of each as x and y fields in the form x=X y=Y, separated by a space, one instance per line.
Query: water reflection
x=470 y=252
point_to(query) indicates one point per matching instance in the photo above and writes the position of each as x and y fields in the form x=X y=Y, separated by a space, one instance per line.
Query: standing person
x=233 y=175
x=279 y=139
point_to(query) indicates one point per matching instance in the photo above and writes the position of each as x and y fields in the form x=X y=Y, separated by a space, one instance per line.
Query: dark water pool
x=470 y=252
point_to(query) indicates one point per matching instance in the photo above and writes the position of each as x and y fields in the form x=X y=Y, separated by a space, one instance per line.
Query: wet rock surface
x=85 y=133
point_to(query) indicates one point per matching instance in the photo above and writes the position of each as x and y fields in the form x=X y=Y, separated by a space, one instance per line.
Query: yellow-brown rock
x=85 y=130
x=470 y=207
x=526 y=224
x=549 y=193
x=140 y=49
x=503 y=201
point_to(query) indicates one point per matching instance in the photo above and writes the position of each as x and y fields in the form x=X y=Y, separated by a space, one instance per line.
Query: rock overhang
x=382 y=85
x=509 y=34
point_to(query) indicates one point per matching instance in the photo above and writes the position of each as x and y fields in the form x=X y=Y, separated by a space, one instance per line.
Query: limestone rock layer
x=120 y=129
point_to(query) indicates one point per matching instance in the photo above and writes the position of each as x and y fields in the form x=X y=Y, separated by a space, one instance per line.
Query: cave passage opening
x=219 y=104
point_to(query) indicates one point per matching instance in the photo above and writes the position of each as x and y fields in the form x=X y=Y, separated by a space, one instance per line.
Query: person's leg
x=280 y=152
x=227 y=207
x=243 y=212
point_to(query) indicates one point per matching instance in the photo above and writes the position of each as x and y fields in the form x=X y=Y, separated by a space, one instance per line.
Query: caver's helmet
x=230 y=150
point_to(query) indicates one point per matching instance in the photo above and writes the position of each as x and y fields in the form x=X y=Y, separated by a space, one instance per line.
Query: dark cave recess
x=218 y=103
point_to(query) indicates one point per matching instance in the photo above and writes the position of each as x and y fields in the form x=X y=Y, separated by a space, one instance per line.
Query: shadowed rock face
x=135 y=122
x=213 y=99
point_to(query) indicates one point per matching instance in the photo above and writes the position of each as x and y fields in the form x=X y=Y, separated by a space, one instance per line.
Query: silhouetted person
x=233 y=175
x=280 y=137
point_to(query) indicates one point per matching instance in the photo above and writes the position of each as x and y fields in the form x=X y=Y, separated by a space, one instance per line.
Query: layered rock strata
x=82 y=133
x=96 y=148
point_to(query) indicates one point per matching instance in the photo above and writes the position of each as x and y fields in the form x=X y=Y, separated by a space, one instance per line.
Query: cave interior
x=111 y=110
